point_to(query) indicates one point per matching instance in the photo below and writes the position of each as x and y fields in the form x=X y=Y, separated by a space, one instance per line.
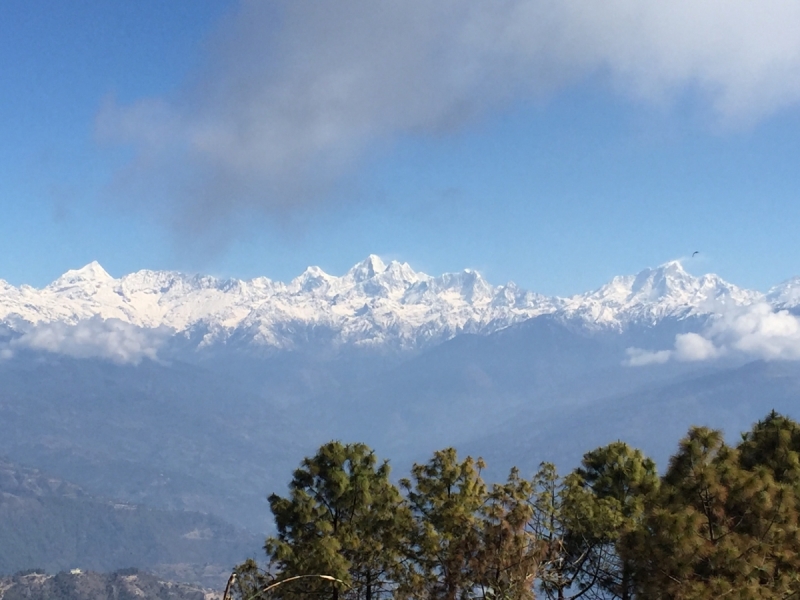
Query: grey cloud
x=109 y=339
x=293 y=94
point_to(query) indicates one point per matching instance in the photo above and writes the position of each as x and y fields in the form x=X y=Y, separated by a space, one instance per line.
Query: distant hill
x=652 y=418
x=126 y=584
x=171 y=436
x=54 y=525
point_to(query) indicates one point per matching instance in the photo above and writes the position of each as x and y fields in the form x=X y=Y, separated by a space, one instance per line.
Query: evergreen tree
x=343 y=519
x=570 y=524
x=723 y=522
x=620 y=479
x=508 y=559
x=716 y=529
x=246 y=582
x=445 y=496
x=773 y=443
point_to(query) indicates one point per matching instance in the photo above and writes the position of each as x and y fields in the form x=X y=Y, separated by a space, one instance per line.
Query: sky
x=552 y=144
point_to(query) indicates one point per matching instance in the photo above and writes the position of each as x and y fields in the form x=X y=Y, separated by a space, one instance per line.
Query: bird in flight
x=695 y=252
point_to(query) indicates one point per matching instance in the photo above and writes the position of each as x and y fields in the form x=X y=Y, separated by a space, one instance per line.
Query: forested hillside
x=54 y=525
x=720 y=522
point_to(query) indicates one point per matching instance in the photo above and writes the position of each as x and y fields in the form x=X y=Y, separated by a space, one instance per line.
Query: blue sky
x=535 y=144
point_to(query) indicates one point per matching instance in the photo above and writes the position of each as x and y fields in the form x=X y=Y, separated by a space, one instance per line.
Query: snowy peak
x=92 y=274
x=670 y=279
x=366 y=269
x=653 y=294
x=399 y=274
x=785 y=294
x=373 y=303
x=672 y=284
x=312 y=280
x=149 y=281
x=470 y=285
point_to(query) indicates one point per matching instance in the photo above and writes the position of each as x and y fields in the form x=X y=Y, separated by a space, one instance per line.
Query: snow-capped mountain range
x=372 y=304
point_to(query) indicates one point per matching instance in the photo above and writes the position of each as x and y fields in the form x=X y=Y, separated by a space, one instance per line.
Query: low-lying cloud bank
x=293 y=95
x=756 y=331
x=109 y=339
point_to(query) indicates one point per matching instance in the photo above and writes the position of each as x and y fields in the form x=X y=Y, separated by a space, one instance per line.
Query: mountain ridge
x=374 y=304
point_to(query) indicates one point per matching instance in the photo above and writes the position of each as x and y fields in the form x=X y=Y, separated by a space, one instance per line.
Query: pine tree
x=246 y=582
x=571 y=526
x=773 y=443
x=508 y=559
x=343 y=519
x=445 y=496
x=716 y=529
x=620 y=479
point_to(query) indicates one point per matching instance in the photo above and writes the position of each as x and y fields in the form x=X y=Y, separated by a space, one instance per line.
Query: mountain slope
x=171 y=436
x=473 y=385
x=653 y=417
x=48 y=523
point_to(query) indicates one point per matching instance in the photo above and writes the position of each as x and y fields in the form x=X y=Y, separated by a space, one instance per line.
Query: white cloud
x=760 y=331
x=293 y=94
x=755 y=331
x=637 y=357
x=110 y=339
x=690 y=347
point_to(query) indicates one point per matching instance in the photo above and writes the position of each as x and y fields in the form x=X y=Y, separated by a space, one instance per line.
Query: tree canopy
x=721 y=522
x=344 y=519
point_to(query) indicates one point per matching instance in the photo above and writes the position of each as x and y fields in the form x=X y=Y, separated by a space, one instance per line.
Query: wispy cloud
x=294 y=94
x=109 y=339
x=756 y=331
